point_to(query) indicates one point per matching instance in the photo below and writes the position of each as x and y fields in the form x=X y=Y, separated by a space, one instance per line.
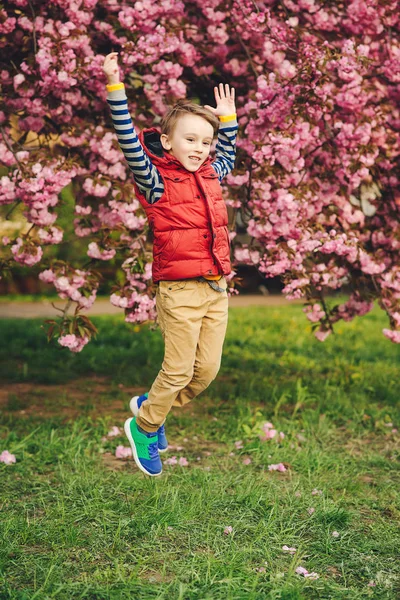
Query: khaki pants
x=193 y=319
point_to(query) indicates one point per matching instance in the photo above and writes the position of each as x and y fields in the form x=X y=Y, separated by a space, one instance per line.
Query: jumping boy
x=178 y=186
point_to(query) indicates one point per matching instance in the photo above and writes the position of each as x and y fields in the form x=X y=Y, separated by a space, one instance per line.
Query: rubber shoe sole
x=127 y=428
x=135 y=410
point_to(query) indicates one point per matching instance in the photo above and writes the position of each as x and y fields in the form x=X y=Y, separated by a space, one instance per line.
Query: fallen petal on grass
x=114 y=431
x=311 y=575
x=268 y=435
x=123 y=452
x=335 y=534
x=7 y=458
x=278 y=467
x=228 y=530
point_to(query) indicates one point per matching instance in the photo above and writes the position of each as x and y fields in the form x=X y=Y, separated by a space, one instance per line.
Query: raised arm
x=145 y=174
x=226 y=143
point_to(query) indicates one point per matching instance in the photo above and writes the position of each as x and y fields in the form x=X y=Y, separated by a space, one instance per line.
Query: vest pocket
x=178 y=188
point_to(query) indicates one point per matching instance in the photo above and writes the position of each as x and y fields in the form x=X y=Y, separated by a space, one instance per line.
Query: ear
x=166 y=144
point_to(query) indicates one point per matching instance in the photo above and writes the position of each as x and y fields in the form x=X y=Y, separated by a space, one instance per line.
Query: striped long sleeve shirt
x=146 y=175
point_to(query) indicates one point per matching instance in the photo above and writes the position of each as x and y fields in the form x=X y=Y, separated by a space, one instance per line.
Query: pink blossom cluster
x=72 y=284
x=26 y=253
x=317 y=185
x=75 y=343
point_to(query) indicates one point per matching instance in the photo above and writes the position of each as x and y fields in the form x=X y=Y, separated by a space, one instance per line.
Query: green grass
x=78 y=523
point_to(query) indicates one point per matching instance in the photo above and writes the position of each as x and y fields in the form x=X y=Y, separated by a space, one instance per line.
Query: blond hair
x=186 y=107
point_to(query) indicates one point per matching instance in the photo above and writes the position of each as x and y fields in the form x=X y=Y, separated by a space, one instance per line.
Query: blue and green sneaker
x=134 y=405
x=144 y=448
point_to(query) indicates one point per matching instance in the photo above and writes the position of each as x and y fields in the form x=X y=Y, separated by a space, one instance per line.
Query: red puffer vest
x=189 y=221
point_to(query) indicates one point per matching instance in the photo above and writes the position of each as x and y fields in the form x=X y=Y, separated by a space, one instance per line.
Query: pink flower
x=316 y=492
x=301 y=571
x=239 y=445
x=260 y=569
x=322 y=334
x=335 y=534
x=393 y=336
x=371 y=584
x=183 y=462
x=268 y=435
x=114 y=431
x=123 y=452
x=278 y=467
x=291 y=550
x=95 y=252
x=73 y=342
x=246 y=461
x=311 y=511
x=171 y=461
x=47 y=276
x=7 y=458
x=228 y=530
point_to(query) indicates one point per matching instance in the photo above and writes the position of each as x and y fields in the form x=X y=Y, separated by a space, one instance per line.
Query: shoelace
x=153 y=450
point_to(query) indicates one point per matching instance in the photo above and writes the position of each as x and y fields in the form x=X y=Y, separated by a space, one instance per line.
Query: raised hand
x=225 y=101
x=110 y=67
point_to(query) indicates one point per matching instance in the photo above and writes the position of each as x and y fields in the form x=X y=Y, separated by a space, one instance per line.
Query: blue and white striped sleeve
x=145 y=174
x=226 y=148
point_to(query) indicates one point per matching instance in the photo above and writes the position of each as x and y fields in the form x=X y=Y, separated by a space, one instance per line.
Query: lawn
x=76 y=522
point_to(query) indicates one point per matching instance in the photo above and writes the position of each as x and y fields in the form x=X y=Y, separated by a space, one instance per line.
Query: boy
x=179 y=188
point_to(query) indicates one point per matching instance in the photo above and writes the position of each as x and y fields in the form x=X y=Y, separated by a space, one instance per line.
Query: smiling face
x=190 y=141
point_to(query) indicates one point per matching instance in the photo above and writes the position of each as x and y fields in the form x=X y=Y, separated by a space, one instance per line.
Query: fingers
x=222 y=92
x=111 y=56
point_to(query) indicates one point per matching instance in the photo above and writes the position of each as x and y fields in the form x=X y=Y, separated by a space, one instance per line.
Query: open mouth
x=195 y=158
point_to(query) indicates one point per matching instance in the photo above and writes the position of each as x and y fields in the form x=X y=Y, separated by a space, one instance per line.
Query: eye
x=190 y=139
x=207 y=143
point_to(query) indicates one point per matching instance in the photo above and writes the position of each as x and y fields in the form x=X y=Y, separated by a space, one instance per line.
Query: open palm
x=224 y=99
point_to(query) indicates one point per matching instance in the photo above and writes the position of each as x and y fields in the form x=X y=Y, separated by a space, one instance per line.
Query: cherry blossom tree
x=317 y=177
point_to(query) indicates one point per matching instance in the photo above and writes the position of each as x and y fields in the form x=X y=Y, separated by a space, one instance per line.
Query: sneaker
x=144 y=448
x=134 y=405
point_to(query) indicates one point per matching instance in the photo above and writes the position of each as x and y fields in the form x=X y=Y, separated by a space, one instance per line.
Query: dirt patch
x=94 y=396
x=112 y=463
